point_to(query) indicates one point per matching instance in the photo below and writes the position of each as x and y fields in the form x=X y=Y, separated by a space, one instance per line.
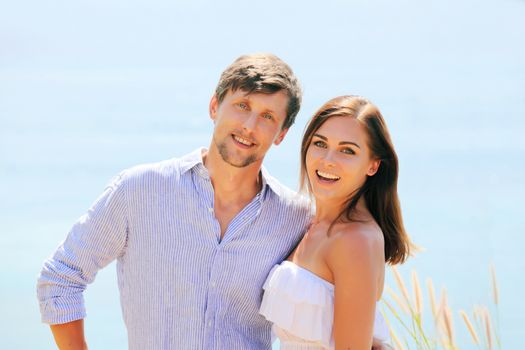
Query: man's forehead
x=270 y=96
x=256 y=92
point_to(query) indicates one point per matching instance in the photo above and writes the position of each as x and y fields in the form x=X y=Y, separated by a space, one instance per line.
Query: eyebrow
x=340 y=143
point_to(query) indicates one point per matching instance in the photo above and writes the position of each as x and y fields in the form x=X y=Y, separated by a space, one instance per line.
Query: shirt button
x=209 y=323
x=210 y=210
x=213 y=284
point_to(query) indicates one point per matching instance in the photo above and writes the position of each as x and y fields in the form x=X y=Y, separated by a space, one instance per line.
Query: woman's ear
x=374 y=166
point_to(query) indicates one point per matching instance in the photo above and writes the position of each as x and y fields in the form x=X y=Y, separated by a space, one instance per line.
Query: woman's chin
x=326 y=197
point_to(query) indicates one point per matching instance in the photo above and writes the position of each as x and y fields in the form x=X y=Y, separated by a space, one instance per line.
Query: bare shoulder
x=356 y=236
x=354 y=242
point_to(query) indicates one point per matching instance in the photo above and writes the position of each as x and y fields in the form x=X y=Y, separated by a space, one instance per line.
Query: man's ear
x=280 y=137
x=374 y=166
x=214 y=105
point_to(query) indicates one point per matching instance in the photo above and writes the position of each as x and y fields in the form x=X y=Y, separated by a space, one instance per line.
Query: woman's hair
x=380 y=189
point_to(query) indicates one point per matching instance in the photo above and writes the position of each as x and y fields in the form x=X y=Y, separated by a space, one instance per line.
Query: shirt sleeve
x=94 y=241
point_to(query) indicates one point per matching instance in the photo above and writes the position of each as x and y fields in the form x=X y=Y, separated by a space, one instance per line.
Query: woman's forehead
x=342 y=129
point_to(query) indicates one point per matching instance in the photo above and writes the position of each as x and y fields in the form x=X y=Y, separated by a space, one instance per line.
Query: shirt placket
x=205 y=188
x=213 y=299
x=217 y=270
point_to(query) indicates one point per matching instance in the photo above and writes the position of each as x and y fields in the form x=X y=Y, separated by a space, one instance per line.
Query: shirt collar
x=194 y=160
x=191 y=160
x=269 y=181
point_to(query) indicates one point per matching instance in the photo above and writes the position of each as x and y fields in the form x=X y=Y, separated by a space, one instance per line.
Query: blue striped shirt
x=181 y=287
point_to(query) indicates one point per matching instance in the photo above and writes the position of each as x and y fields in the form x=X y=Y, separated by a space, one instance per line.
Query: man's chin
x=236 y=160
x=240 y=162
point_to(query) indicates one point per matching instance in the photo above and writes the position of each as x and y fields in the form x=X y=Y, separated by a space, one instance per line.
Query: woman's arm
x=353 y=260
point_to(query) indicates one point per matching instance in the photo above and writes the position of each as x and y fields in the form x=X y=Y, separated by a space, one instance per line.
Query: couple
x=211 y=250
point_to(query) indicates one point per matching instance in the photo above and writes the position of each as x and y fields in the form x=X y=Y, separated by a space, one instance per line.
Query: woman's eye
x=319 y=144
x=348 y=151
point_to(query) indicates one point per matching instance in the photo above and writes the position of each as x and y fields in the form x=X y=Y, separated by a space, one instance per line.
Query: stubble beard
x=229 y=158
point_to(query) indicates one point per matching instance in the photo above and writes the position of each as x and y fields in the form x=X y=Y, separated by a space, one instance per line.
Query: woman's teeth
x=327 y=176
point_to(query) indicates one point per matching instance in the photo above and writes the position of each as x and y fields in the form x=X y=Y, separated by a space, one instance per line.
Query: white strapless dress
x=300 y=305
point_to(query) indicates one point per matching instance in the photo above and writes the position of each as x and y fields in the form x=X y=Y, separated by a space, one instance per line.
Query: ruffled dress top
x=300 y=305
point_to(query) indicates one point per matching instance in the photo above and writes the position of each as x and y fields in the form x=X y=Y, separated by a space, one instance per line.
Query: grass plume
x=470 y=327
x=418 y=297
x=440 y=334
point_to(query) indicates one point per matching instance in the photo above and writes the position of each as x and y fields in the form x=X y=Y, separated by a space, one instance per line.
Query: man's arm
x=379 y=344
x=95 y=240
x=70 y=336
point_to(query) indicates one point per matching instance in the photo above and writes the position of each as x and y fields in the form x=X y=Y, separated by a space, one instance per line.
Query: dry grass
x=418 y=298
x=440 y=334
x=488 y=328
x=470 y=327
x=432 y=297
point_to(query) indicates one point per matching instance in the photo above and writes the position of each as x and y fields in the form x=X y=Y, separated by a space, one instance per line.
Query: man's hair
x=262 y=73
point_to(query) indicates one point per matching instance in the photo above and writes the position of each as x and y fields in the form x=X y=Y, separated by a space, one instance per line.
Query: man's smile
x=242 y=141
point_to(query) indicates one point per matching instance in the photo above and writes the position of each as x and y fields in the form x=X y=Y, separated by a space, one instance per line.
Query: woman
x=324 y=295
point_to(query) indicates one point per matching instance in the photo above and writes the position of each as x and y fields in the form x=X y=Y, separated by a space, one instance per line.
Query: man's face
x=247 y=125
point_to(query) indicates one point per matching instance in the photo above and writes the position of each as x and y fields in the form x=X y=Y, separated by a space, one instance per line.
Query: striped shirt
x=181 y=287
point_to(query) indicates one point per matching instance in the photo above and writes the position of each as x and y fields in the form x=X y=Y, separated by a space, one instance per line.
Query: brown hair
x=379 y=190
x=262 y=73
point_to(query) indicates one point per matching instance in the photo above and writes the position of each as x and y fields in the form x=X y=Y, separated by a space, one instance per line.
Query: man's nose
x=250 y=122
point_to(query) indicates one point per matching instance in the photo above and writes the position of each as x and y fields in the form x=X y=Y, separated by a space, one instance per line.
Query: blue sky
x=88 y=88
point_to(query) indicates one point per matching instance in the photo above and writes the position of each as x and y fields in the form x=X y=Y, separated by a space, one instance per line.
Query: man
x=194 y=237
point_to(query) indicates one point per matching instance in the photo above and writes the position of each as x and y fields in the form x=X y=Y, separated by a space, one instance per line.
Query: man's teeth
x=327 y=175
x=243 y=141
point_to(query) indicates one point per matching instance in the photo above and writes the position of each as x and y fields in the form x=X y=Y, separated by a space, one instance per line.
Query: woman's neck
x=329 y=211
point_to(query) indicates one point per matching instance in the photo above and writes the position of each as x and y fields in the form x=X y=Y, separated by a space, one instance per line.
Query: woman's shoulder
x=356 y=233
x=354 y=241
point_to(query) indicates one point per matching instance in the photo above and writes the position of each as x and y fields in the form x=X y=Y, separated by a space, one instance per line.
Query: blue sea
x=90 y=88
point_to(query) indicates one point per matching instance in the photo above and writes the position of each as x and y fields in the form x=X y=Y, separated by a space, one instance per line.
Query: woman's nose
x=329 y=158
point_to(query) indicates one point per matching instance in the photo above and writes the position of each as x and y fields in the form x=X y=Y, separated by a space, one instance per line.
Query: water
x=87 y=90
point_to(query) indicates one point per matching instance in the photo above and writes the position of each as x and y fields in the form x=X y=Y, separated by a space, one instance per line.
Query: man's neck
x=232 y=184
x=233 y=187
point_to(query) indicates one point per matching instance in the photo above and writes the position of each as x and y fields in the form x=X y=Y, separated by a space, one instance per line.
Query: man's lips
x=242 y=141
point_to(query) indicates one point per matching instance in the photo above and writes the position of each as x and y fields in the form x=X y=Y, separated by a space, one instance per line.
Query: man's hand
x=70 y=336
x=377 y=344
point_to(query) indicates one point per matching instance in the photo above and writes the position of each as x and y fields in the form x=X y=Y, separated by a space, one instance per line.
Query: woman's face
x=338 y=159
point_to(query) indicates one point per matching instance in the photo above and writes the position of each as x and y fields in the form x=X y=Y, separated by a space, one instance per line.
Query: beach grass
x=410 y=328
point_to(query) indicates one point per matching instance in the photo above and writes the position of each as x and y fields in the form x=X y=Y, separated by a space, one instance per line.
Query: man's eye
x=267 y=116
x=319 y=144
x=242 y=105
